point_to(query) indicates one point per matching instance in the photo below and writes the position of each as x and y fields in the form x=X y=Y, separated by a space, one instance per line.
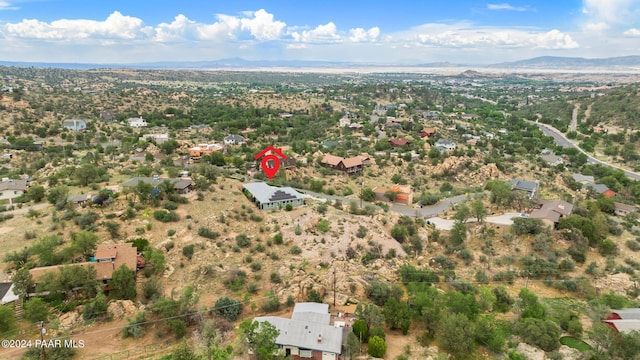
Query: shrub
x=271 y=304
x=295 y=250
x=228 y=308
x=377 y=347
x=277 y=239
x=134 y=328
x=170 y=205
x=323 y=225
x=166 y=216
x=188 y=250
x=171 y=232
x=242 y=240
x=209 y=234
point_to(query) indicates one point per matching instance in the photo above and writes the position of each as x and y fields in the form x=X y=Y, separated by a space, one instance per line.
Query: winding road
x=562 y=140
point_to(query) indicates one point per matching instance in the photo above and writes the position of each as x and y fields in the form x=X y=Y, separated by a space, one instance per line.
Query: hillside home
x=344 y=121
x=156 y=138
x=6 y=293
x=137 y=122
x=271 y=197
x=550 y=211
x=234 y=140
x=529 y=187
x=552 y=159
x=74 y=124
x=583 y=179
x=427 y=132
x=107 y=258
x=395 y=142
x=600 y=189
x=348 y=166
x=624 y=209
x=445 y=145
x=308 y=334
x=181 y=186
x=200 y=150
x=11 y=189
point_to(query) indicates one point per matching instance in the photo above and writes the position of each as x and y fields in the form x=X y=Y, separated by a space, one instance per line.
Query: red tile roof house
x=427 y=132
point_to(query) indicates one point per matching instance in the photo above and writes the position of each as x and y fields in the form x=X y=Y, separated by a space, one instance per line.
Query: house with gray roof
x=271 y=197
x=550 y=211
x=583 y=179
x=6 y=293
x=11 y=189
x=234 y=139
x=552 y=159
x=529 y=187
x=308 y=334
x=74 y=124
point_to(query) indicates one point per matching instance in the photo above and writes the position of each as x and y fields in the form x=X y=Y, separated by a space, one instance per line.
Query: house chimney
x=319 y=338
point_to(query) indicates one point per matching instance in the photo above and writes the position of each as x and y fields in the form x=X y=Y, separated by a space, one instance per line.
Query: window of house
x=305 y=353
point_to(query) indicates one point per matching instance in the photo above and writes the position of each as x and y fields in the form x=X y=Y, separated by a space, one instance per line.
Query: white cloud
x=596 y=26
x=458 y=36
x=179 y=29
x=509 y=7
x=362 y=35
x=262 y=26
x=5 y=5
x=611 y=11
x=632 y=33
x=225 y=28
x=116 y=26
x=327 y=33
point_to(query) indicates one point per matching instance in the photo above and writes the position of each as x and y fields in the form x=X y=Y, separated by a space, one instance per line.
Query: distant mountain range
x=538 y=63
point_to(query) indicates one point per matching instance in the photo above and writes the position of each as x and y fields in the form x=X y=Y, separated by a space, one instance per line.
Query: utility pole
x=42 y=331
x=334 y=287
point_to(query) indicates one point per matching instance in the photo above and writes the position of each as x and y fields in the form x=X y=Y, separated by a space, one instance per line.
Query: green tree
x=36 y=193
x=228 y=308
x=462 y=213
x=367 y=194
x=84 y=242
x=377 y=347
x=86 y=174
x=503 y=300
x=458 y=234
x=397 y=315
x=260 y=338
x=7 y=320
x=478 y=210
x=353 y=345
x=544 y=334
x=530 y=306
x=500 y=192
x=361 y=330
x=22 y=283
x=370 y=313
x=36 y=310
x=184 y=351
x=123 y=283
x=314 y=296
x=58 y=196
x=457 y=334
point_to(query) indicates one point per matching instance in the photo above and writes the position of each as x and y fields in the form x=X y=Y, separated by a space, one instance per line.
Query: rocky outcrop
x=119 y=309
x=531 y=352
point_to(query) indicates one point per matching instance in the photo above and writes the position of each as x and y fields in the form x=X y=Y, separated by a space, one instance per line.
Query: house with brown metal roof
x=348 y=166
x=108 y=258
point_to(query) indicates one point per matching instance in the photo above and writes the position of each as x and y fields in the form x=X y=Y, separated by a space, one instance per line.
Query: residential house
x=624 y=320
x=624 y=209
x=308 y=334
x=180 y=185
x=427 y=132
x=465 y=116
x=583 y=179
x=234 y=139
x=552 y=159
x=200 y=150
x=79 y=200
x=107 y=116
x=395 y=142
x=6 y=293
x=344 y=121
x=355 y=126
x=445 y=145
x=550 y=211
x=11 y=189
x=529 y=187
x=271 y=197
x=403 y=194
x=157 y=138
x=601 y=189
x=107 y=258
x=74 y=124
x=288 y=163
x=348 y=166
x=137 y=122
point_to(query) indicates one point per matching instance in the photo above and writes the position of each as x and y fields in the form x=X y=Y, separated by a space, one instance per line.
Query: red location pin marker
x=270 y=165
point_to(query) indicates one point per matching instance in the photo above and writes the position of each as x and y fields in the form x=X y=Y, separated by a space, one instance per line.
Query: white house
x=6 y=293
x=234 y=139
x=445 y=145
x=11 y=189
x=74 y=124
x=137 y=122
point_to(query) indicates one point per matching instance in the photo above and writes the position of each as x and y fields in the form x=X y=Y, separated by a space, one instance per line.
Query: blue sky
x=384 y=32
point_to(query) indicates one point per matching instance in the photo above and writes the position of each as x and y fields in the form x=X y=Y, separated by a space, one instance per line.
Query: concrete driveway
x=447 y=224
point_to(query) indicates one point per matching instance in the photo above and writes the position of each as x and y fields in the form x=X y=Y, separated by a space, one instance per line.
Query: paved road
x=425 y=212
x=562 y=140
